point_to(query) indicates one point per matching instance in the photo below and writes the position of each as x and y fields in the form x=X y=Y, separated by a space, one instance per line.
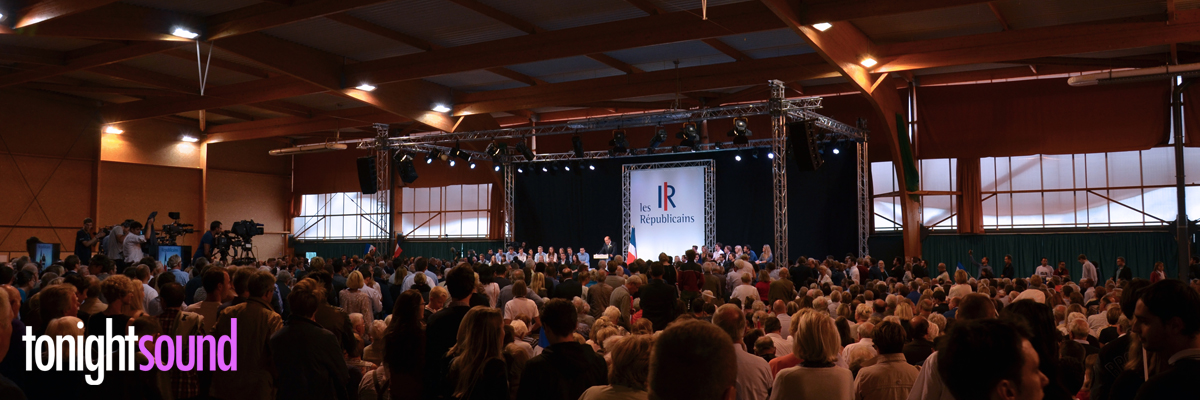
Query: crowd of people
x=725 y=324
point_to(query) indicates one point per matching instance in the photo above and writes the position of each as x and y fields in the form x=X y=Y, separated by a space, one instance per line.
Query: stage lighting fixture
x=472 y=165
x=184 y=33
x=524 y=150
x=591 y=167
x=737 y=157
x=545 y=169
x=457 y=152
x=771 y=155
x=741 y=131
x=718 y=146
x=836 y=151
x=495 y=149
x=619 y=143
x=520 y=169
x=577 y=144
x=433 y=155
x=690 y=134
x=496 y=168
x=754 y=153
x=452 y=162
x=660 y=136
x=567 y=167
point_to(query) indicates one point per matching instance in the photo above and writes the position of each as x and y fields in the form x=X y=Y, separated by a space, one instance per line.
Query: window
x=458 y=211
x=1128 y=188
x=343 y=216
x=938 y=209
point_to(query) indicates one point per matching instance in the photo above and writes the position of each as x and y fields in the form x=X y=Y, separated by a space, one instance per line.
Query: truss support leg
x=863 y=172
x=509 y=196
x=779 y=171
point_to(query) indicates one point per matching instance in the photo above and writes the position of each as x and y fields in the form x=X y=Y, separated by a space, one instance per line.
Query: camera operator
x=133 y=243
x=114 y=242
x=84 y=240
x=208 y=243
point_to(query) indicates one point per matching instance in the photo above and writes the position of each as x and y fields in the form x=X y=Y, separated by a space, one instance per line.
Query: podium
x=601 y=260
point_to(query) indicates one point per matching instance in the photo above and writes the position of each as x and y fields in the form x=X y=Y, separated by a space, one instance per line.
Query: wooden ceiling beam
x=1093 y=62
x=615 y=63
x=31 y=55
x=232 y=114
x=138 y=75
x=645 y=5
x=707 y=77
x=128 y=91
x=844 y=46
x=122 y=53
x=638 y=32
x=809 y=12
x=999 y=16
x=412 y=100
x=289 y=126
x=506 y=18
x=728 y=50
x=419 y=43
x=219 y=63
x=50 y=9
x=222 y=26
x=1038 y=42
x=217 y=97
x=116 y=21
x=283 y=107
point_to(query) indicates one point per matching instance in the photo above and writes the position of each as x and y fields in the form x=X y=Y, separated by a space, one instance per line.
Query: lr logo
x=666 y=191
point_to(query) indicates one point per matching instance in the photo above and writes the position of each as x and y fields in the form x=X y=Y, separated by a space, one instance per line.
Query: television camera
x=238 y=241
x=170 y=233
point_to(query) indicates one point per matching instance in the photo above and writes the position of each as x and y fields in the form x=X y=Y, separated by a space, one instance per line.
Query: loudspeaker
x=406 y=170
x=802 y=140
x=367 y=177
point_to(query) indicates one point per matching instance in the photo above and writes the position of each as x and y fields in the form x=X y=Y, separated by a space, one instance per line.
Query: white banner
x=666 y=210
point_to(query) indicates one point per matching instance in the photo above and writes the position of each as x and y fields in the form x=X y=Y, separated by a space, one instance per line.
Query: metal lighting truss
x=710 y=199
x=509 y=195
x=779 y=113
x=862 y=172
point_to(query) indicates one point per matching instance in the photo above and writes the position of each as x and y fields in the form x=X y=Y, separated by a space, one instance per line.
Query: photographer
x=84 y=240
x=209 y=241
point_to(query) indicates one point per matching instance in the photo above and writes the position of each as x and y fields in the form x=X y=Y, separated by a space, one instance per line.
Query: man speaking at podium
x=608 y=248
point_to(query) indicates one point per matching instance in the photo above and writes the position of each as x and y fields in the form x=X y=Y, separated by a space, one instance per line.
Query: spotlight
x=184 y=33
x=441 y=108
x=619 y=143
x=544 y=169
x=451 y=162
x=737 y=157
x=113 y=130
x=366 y=87
x=690 y=135
x=741 y=131
x=836 y=151
x=822 y=26
x=520 y=169
x=591 y=167
x=567 y=167
x=660 y=136
x=754 y=153
x=433 y=155
x=457 y=152
x=189 y=139
x=496 y=168
x=495 y=149
x=868 y=62
x=718 y=146
x=524 y=150
x=577 y=145
x=771 y=155
x=472 y=165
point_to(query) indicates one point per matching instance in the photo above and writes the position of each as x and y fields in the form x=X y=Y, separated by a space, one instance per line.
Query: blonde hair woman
x=765 y=257
x=537 y=285
x=627 y=372
x=354 y=300
x=818 y=344
x=478 y=370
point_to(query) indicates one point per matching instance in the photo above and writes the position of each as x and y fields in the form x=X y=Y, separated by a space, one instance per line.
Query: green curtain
x=439 y=249
x=1140 y=249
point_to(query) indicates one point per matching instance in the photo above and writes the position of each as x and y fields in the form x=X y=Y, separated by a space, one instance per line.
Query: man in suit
x=1123 y=272
x=608 y=248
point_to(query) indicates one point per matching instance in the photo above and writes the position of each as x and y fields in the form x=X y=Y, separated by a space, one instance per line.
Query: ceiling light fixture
x=189 y=139
x=366 y=87
x=308 y=149
x=113 y=130
x=868 y=62
x=822 y=26
x=441 y=108
x=741 y=131
x=184 y=33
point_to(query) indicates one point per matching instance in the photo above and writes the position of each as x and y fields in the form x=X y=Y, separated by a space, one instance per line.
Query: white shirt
x=783 y=346
x=1089 y=271
x=133 y=247
x=150 y=300
x=928 y=385
x=854 y=273
x=959 y=291
x=1097 y=322
x=786 y=322
x=754 y=378
x=1045 y=271
x=520 y=306
x=742 y=292
x=864 y=342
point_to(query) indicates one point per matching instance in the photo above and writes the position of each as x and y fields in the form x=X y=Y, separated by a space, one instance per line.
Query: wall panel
x=134 y=190
x=235 y=196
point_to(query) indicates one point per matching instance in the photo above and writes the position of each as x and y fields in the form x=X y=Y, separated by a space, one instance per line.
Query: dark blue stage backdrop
x=569 y=209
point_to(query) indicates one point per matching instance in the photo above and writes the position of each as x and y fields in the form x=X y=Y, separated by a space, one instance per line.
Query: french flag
x=632 y=255
x=398 y=251
x=370 y=248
